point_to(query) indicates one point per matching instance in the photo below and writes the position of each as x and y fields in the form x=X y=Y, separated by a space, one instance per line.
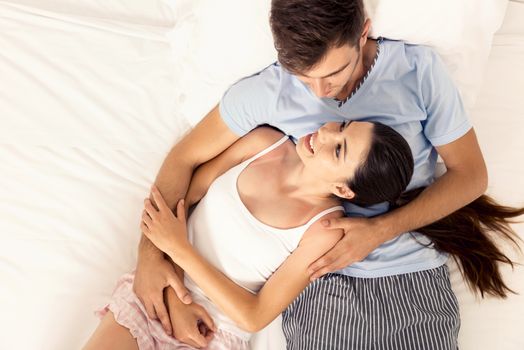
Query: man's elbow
x=482 y=183
x=478 y=180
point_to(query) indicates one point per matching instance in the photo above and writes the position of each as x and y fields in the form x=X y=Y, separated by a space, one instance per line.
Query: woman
x=274 y=194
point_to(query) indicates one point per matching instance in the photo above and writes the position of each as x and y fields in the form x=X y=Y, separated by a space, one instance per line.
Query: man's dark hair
x=304 y=30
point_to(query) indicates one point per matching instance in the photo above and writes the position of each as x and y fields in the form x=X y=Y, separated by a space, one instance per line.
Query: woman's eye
x=337 y=150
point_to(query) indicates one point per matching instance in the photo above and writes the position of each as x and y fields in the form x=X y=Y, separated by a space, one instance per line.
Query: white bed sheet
x=498 y=117
x=88 y=115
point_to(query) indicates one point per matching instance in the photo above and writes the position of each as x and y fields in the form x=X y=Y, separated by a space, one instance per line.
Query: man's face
x=333 y=72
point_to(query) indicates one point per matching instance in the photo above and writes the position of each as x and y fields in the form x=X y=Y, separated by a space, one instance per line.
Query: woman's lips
x=308 y=141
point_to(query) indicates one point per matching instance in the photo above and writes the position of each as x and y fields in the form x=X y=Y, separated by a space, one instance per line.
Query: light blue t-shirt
x=408 y=88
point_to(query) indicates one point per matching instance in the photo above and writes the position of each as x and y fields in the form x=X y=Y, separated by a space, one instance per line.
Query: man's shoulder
x=412 y=53
x=261 y=85
x=403 y=58
x=266 y=87
x=269 y=74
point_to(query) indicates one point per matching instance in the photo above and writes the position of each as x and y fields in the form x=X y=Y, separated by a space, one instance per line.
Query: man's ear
x=343 y=191
x=365 y=33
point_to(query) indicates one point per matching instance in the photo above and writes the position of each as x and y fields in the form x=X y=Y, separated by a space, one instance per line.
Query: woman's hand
x=165 y=230
x=191 y=323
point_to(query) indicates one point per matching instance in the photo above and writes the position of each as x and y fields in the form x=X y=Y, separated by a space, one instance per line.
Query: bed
x=94 y=94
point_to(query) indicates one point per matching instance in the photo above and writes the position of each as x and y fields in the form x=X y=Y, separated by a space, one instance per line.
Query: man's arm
x=154 y=273
x=465 y=180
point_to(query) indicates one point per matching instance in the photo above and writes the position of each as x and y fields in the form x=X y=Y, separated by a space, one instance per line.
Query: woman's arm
x=251 y=312
x=206 y=173
x=153 y=273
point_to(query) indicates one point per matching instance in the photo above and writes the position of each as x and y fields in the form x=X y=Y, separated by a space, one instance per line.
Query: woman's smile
x=309 y=142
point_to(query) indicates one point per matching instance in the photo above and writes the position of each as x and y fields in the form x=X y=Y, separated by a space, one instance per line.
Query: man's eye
x=342 y=125
x=337 y=150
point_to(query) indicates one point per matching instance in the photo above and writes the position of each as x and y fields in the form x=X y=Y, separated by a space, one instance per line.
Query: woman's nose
x=324 y=133
x=329 y=132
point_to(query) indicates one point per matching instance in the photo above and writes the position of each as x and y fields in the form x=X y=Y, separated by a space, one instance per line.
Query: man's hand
x=191 y=323
x=361 y=237
x=152 y=276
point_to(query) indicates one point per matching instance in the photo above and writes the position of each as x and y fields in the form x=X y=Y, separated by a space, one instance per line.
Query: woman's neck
x=298 y=183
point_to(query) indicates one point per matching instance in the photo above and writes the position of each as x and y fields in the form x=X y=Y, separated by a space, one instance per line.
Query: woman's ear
x=343 y=191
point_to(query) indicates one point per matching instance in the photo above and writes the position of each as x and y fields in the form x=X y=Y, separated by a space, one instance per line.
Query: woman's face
x=336 y=150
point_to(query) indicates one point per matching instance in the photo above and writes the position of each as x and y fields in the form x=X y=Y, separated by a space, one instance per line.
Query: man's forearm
x=172 y=181
x=447 y=194
x=147 y=250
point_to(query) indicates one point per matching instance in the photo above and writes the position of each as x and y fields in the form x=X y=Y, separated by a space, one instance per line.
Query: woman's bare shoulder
x=318 y=230
x=259 y=139
x=265 y=135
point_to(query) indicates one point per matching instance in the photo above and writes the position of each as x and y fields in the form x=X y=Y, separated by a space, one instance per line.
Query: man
x=328 y=69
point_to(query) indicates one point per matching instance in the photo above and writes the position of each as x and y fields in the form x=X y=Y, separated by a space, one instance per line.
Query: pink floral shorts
x=131 y=313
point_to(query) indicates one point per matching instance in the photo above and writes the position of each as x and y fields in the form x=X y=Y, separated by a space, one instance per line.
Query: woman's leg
x=410 y=312
x=109 y=335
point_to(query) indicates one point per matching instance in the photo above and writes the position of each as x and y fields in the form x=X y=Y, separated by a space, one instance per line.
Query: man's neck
x=363 y=66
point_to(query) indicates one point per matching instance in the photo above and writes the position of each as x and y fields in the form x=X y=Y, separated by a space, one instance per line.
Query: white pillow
x=214 y=45
x=460 y=31
x=141 y=12
x=218 y=42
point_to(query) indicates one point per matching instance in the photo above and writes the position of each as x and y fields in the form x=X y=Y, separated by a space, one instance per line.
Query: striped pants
x=416 y=311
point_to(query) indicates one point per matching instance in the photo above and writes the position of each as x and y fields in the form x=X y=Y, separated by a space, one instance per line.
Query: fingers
x=335 y=223
x=163 y=316
x=209 y=336
x=335 y=266
x=181 y=211
x=198 y=338
x=150 y=209
x=332 y=261
x=180 y=289
x=205 y=331
x=146 y=218
x=145 y=229
x=208 y=321
x=150 y=309
x=159 y=200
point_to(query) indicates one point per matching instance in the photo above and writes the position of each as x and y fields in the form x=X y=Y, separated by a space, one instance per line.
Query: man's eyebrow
x=333 y=73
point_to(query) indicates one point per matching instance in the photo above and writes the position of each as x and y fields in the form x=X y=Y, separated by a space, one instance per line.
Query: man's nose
x=319 y=87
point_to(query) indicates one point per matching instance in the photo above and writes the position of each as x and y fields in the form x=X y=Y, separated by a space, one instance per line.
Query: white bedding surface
x=87 y=116
x=498 y=117
x=89 y=111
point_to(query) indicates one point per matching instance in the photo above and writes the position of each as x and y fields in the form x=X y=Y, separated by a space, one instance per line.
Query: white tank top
x=229 y=237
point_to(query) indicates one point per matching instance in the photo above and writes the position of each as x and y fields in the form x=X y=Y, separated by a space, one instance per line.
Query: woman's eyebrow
x=345 y=143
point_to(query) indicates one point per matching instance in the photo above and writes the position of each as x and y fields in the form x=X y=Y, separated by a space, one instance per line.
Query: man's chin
x=332 y=96
x=335 y=95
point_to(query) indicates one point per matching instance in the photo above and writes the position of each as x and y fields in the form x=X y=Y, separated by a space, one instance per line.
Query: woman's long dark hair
x=468 y=234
